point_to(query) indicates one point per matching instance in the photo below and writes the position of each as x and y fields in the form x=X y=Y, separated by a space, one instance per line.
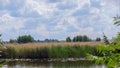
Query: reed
x=48 y=50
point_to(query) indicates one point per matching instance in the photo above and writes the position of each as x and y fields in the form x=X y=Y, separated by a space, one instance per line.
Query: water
x=39 y=64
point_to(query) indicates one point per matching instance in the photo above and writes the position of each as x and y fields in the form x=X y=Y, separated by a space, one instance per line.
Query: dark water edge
x=50 y=64
x=48 y=60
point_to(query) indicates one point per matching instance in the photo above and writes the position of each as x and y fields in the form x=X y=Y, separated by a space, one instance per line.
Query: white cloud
x=57 y=18
x=8 y=23
x=4 y=2
x=43 y=8
x=94 y=10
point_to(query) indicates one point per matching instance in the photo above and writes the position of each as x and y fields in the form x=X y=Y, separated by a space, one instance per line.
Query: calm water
x=38 y=64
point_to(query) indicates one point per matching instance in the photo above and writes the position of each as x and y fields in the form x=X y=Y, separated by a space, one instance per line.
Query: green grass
x=70 y=51
x=74 y=51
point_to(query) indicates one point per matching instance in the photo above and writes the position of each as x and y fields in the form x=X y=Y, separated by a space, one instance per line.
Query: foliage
x=25 y=39
x=0 y=35
x=108 y=54
x=117 y=20
x=80 y=38
x=117 y=40
x=51 y=40
x=105 y=39
x=12 y=41
x=68 y=39
x=98 y=39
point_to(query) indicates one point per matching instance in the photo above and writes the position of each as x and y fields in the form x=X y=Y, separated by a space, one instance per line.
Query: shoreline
x=49 y=60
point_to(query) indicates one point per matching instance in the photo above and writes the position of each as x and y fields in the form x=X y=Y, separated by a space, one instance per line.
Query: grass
x=49 y=50
x=75 y=51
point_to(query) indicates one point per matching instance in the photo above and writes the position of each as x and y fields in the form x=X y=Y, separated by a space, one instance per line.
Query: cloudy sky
x=58 y=18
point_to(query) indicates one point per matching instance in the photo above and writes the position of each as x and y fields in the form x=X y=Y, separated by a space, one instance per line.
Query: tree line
x=30 y=39
x=23 y=39
x=80 y=38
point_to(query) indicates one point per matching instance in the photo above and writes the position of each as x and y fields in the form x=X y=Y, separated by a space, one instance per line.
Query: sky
x=58 y=19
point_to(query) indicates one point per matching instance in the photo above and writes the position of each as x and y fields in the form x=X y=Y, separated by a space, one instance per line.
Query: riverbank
x=48 y=60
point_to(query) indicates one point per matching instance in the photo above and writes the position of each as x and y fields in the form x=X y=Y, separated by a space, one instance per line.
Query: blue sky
x=58 y=19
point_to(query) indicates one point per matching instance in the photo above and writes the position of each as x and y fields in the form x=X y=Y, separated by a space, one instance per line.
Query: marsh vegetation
x=49 y=50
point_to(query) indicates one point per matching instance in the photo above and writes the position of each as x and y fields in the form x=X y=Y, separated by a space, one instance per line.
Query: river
x=45 y=64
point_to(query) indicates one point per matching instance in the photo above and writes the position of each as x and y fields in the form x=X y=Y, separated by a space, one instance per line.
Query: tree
x=80 y=38
x=98 y=39
x=51 y=40
x=25 y=39
x=74 y=39
x=12 y=41
x=86 y=39
x=68 y=39
x=105 y=39
x=0 y=35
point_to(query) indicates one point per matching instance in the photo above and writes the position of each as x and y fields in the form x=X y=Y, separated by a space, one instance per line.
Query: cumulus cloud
x=58 y=18
x=40 y=8
x=7 y=23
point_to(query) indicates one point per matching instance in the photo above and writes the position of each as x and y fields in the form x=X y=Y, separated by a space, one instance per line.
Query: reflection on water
x=38 y=64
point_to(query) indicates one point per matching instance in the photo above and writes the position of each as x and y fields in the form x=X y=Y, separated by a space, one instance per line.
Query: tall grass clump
x=3 y=52
x=75 y=51
x=27 y=53
x=11 y=53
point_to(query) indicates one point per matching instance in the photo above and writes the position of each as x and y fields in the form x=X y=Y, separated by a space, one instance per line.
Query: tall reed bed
x=48 y=52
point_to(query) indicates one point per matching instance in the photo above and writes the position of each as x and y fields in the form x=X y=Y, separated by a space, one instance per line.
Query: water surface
x=45 y=64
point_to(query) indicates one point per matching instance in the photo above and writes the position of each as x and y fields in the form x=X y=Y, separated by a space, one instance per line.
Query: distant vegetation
x=98 y=39
x=25 y=39
x=12 y=41
x=51 y=40
x=81 y=38
x=68 y=39
x=30 y=39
